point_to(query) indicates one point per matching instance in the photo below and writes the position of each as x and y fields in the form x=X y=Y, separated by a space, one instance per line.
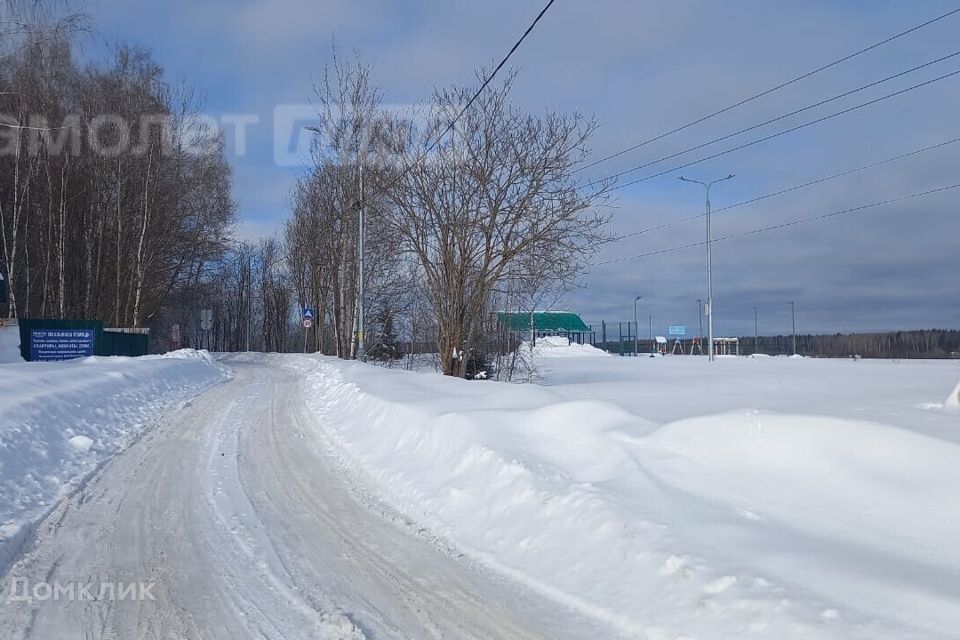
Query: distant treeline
x=933 y=343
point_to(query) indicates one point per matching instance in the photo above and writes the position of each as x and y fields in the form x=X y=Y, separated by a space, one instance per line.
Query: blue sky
x=642 y=68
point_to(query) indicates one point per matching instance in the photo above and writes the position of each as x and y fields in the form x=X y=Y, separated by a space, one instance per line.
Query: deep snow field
x=675 y=498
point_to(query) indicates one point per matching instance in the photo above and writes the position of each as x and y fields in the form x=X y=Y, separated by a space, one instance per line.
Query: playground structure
x=726 y=346
x=624 y=340
x=621 y=338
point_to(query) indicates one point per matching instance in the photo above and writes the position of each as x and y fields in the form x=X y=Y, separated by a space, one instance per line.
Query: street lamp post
x=706 y=186
x=636 y=327
x=361 y=316
x=756 y=331
x=700 y=321
x=793 y=321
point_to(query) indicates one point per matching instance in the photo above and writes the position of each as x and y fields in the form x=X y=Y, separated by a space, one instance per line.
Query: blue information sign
x=678 y=330
x=47 y=345
x=308 y=314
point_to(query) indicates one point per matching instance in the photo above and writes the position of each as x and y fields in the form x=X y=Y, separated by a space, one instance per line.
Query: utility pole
x=700 y=320
x=361 y=351
x=653 y=345
x=636 y=326
x=793 y=320
x=756 y=331
x=249 y=298
x=706 y=186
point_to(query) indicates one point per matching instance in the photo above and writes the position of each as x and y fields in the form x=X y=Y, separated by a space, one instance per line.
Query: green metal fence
x=123 y=342
x=75 y=336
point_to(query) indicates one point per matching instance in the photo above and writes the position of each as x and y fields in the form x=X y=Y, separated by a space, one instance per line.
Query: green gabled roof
x=544 y=321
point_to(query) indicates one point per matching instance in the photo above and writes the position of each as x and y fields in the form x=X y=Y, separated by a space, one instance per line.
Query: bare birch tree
x=323 y=234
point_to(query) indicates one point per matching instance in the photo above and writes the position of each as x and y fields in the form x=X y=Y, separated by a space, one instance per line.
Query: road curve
x=234 y=516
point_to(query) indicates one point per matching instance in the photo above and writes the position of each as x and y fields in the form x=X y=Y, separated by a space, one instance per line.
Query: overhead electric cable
x=473 y=99
x=778 y=118
x=786 y=131
x=783 y=225
x=773 y=89
x=846 y=172
x=490 y=78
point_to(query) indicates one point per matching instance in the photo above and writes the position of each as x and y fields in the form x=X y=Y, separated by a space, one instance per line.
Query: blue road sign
x=308 y=313
x=678 y=330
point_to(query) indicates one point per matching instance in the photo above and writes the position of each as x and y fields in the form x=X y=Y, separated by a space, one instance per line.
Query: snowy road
x=236 y=515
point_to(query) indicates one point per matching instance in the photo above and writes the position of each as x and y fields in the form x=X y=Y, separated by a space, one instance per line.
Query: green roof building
x=546 y=323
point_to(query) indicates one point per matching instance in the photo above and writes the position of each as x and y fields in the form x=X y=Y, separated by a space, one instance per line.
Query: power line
x=492 y=76
x=773 y=89
x=790 y=130
x=783 y=225
x=780 y=117
x=396 y=179
x=780 y=192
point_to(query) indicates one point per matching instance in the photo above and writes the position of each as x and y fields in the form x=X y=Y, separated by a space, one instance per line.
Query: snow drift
x=737 y=525
x=560 y=347
x=60 y=421
x=10 y=344
x=953 y=400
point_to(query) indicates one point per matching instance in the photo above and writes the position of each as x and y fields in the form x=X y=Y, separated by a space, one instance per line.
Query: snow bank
x=60 y=421
x=953 y=400
x=861 y=507
x=560 y=347
x=728 y=526
x=10 y=345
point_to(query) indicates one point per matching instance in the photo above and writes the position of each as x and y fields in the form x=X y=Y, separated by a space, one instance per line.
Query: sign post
x=4 y=297
x=175 y=338
x=206 y=324
x=308 y=317
x=677 y=331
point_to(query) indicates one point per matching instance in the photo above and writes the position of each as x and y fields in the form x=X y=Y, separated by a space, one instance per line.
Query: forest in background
x=920 y=343
x=926 y=343
x=114 y=200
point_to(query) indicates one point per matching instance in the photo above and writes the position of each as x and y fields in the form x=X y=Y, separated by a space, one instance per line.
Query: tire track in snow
x=233 y=510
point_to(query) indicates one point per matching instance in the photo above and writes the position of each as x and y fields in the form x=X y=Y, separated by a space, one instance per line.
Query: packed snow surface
x=245 y=527
x=674 y=498
x=60 y=421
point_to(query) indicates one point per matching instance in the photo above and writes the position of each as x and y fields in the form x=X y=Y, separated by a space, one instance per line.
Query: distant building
x=546 y=323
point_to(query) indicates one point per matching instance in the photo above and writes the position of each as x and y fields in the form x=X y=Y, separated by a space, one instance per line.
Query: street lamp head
x=638 y=298
x=729 y=177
